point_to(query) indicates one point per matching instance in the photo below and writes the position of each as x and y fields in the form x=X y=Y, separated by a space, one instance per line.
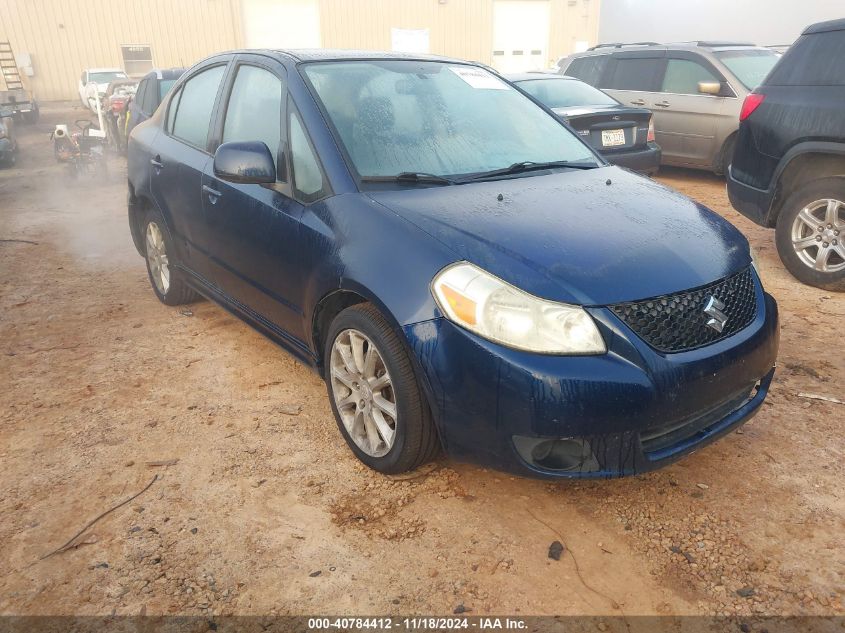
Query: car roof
x=699 y=45
x=825 y=27
x=531 y=76
x=343 y=54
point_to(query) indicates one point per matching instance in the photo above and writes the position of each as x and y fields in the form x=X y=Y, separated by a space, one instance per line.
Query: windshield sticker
x=478 y=78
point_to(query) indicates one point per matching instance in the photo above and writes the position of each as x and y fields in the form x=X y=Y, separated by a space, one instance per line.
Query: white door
x=275 y=24
x=520 y=35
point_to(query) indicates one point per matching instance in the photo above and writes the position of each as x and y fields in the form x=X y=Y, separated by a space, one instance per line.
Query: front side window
x=395 y=116
x=565 y=93
x=254 y=112
x=634 y=73
x=750 y=67
x=164 y=87
x=683 y=76
x=148 y=101
x=196 y=102
x=171 y=112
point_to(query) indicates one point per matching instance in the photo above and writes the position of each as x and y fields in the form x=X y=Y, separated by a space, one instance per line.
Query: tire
x=167 y=280
x=800 y=218
x=725 y=156
x=414 y=440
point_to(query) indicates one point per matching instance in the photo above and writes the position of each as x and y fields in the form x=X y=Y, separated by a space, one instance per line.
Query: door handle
x=213 y=194
x=662 y=104
x=638 y=102
x=156 y=162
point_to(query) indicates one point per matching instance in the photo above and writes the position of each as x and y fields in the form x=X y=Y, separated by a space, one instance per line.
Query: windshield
x=396 y=116
x=106 y=77
x=750 y=67
x=565 y=93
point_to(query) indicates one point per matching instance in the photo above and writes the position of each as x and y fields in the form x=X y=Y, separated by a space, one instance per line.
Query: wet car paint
x=590 y=237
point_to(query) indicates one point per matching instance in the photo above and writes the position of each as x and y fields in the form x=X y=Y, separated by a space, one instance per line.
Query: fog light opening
x=558 y=454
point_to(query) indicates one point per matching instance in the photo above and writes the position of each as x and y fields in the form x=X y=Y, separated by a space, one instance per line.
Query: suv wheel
x=811 y=234
x=374 y=394
x=166 y=279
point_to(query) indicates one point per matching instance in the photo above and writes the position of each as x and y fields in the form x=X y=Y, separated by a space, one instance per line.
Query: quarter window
x=193 y=114
x=308 y=181
x=634 y=73
x=588 y=69
x=683 y=76
x=255 y=109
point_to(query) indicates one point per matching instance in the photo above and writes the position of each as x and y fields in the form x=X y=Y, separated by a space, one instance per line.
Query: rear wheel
x=378 y=405
x=810 y=234
x=725 y=156
x=166 y=279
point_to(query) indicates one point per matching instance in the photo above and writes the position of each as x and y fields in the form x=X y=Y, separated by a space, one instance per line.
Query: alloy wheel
x=363 y=392
x=817 y=235
x=157 y=258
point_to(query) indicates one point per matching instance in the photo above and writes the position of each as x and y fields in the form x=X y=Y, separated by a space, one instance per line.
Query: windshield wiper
x=412 y=177
x=527 y=165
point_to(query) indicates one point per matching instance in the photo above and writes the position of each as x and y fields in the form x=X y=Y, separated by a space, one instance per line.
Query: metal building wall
x=64 y=37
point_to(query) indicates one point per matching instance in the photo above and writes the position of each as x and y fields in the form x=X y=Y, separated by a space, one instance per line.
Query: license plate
x=610 y=138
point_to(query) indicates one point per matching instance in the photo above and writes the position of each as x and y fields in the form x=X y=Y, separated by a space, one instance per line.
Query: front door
x=254 y=228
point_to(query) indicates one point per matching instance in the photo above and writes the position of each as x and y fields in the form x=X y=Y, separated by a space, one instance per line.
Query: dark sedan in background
x=152 y=89
x=622 y=134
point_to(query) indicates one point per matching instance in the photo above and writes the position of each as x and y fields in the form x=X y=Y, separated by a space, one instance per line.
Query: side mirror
x=248 y=162
x=710 y=88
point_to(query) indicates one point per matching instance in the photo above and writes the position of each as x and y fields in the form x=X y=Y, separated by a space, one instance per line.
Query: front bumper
x=645 y=161
x=753 y=203
x=632 y=409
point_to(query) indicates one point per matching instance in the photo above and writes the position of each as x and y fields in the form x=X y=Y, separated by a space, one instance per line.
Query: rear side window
x=196 y=102
x=588 y=69
x=254 y=112
x=634 y=73
x=683 y=75
x=814 y=60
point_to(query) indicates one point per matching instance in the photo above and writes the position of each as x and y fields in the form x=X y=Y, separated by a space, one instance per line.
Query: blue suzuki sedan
x=461 y=268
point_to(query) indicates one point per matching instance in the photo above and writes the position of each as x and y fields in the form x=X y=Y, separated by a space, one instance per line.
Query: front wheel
x=810 y=234
x=376 y=399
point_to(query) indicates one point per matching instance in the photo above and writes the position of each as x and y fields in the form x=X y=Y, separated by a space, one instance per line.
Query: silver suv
x=694 y=89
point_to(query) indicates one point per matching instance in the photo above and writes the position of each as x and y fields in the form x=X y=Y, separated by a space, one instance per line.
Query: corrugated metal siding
x=63 y=38
x=458 y=28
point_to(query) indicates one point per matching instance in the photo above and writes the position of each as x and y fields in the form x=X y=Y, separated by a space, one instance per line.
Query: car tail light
x=650 y=137
x=751 y=103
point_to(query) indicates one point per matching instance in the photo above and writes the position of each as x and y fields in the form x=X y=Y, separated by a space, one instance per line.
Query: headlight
x=500 y=312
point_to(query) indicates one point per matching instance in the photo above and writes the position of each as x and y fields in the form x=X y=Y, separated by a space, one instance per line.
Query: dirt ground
x=263 y=509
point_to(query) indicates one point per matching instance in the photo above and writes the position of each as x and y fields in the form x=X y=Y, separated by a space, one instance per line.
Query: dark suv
x=788 y=171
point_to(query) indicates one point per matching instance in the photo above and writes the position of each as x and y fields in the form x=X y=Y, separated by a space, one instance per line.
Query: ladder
x=9 y=67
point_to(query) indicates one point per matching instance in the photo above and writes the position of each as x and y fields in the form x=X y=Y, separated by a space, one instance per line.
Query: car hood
x=594 y=237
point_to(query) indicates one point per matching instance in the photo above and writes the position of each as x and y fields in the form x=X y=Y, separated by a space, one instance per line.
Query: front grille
x=678 y=323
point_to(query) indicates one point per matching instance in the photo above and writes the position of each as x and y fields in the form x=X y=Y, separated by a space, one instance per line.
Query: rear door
x=686 y=120
x=179 y=157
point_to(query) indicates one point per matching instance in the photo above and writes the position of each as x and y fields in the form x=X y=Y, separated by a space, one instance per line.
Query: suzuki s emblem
x=713 y=309
x=615 y=117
